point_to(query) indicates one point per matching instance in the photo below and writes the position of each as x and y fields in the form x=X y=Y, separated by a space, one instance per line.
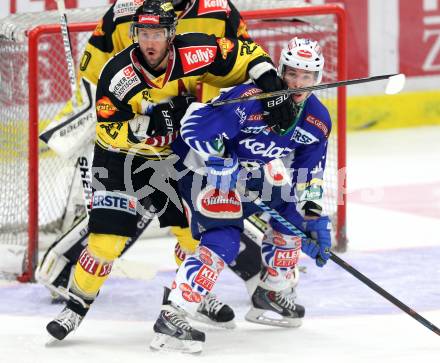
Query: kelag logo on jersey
x=213 y=6
x=268 y=151
x=301 y=136
x=196 y=57
x=125 y=80
x=114 y=201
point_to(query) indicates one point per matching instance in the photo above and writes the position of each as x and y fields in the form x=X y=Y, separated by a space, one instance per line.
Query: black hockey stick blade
x=395 y=84
x=372 y=285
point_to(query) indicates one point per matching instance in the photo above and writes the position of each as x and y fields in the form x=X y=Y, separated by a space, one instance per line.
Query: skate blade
x=258 y=316
x=51 y=341
x=204 y=319
x=166 y=343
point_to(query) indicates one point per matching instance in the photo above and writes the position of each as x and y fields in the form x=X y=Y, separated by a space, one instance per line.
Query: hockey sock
x=280 y=253
x=195 y=278
x=186 y=244
x=95 y=263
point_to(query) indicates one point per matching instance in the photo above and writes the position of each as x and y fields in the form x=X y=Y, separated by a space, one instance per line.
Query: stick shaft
x=291 y=91
x=347 y=267
x=67 y=49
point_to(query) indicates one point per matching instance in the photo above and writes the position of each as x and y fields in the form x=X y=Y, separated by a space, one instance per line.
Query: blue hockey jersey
x=240 y=129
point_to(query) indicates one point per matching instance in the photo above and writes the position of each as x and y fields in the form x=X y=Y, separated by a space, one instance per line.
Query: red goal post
x=40 y=55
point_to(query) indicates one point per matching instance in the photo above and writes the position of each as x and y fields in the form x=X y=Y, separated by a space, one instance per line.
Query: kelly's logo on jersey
x=196 y=57
x=125 y=80
x=213 y=6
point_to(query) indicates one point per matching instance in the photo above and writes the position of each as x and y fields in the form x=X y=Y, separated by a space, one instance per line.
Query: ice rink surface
x=393 y=229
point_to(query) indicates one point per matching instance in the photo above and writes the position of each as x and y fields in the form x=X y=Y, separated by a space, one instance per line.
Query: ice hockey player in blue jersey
x=284 y=162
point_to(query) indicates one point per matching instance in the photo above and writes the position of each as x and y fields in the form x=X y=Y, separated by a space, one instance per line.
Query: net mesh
x=56 y=174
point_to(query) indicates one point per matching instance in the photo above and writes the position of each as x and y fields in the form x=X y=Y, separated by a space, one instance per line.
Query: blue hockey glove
x=222 y=172
x=318 y=247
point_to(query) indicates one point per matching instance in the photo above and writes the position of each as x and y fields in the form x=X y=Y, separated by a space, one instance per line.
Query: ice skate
x=266 y=303
x=172 y=332
x=66 y=322
x=214 y=312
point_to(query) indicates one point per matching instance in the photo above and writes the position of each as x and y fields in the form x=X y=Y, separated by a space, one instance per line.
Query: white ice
x=393 y=222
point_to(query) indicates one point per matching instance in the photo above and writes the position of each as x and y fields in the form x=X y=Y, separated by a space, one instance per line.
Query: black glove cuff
x=270 y=82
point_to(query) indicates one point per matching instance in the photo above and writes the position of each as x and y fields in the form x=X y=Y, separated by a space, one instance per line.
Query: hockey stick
x=339 y=261
x=394 y=85
x=67 y=49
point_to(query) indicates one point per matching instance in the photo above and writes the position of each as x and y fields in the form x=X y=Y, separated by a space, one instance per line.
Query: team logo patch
x=318 y=123
x=285 y=258
x=124 y=81
x=114 y=201
x=196 y=57
x=226 y=46
x=213 y=6
x=206 y=277
x=105 y=107
x=213 y=203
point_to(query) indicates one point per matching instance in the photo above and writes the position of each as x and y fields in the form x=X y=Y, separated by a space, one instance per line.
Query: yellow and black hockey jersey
x=218 y=17
x=126 y=89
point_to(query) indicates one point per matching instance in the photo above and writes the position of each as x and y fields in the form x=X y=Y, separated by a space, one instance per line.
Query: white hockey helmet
x=302 y=54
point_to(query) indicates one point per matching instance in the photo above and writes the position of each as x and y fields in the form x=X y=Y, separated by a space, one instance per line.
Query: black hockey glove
x=165 y=117
x=280 y=111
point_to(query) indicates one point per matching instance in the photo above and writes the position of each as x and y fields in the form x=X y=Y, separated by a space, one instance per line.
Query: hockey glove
x=165 y=117
x=318 y=247
x=280 y=111
x=222 y=172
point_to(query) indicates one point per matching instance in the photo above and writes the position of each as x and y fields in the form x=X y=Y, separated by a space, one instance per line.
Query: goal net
x=36 y=185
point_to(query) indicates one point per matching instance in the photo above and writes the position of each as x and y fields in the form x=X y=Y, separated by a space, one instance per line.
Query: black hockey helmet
x=155 y=14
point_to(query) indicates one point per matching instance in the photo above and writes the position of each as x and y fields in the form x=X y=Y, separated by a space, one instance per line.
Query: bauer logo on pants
x=114 y=201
